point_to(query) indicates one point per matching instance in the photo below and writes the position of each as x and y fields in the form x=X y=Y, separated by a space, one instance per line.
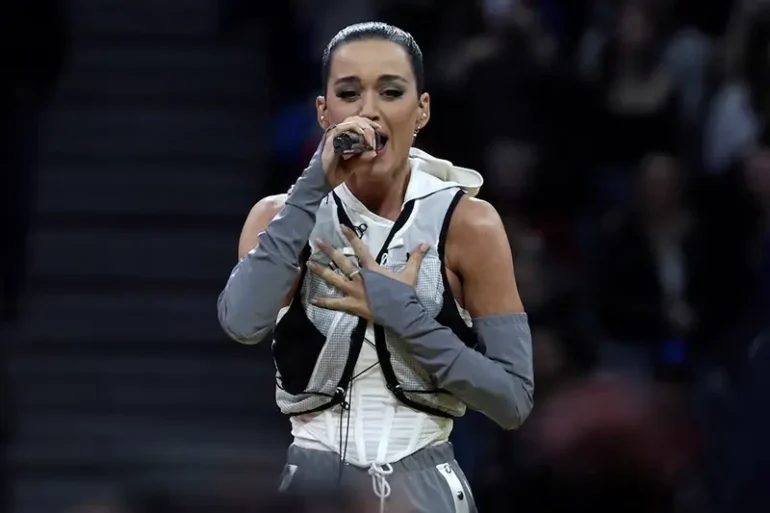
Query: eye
x=393 y=93
x=347 y=94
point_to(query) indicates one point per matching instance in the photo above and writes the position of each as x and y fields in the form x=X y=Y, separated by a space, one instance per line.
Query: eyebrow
x=381 y=79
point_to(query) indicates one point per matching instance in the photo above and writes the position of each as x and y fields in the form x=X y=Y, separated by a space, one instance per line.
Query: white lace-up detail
x=380 y=483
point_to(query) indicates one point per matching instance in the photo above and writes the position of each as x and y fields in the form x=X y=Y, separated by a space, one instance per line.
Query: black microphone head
x=352 y=143
x=345 y=142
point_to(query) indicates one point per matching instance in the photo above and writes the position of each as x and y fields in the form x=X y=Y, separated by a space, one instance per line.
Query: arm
x=266 y=274
x=498 y=383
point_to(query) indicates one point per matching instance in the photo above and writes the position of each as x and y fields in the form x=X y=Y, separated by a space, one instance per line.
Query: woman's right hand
x=339 y=168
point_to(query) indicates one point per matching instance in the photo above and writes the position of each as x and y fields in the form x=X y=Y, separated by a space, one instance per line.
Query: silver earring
x=417 y=130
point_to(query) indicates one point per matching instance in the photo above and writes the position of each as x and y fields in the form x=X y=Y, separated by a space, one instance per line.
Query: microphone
x=352 y=143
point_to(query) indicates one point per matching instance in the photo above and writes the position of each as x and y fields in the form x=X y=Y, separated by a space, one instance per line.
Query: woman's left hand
x=352 y=284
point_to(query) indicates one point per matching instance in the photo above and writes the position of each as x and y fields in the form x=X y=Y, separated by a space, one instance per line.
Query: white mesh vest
x=315 y=350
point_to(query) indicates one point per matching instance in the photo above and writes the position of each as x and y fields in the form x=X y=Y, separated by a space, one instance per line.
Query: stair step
x=150 y=88
x=99 y=132
x=208 y=429
x=121 y=428
x=84 y=439
x=152 y=189
x=157 y=369
x=125 y=255
x=140 y=392
x=120 y=317
x=131 y=394
x=159 y=60
x=158 y=73
x=144 y=17
x=54 y=495
x=134 y=454
x=178 y=128
x=146 y=142
x=251 y=157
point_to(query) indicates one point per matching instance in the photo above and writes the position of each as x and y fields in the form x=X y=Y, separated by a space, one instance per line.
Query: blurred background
x=625 y=143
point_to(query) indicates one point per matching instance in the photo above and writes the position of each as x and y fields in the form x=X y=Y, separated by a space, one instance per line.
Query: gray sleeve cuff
x=249 y=304
x=499 y=383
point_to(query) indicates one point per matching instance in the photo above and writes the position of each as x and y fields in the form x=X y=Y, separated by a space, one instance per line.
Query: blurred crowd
x=626 y=144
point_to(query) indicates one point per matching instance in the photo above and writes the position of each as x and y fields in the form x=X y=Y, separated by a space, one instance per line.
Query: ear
x=424 y=114
x=320 y=107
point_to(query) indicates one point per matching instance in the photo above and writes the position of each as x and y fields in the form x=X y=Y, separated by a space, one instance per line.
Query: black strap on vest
x=359 y=332
x=448 y=316
x=299 y=327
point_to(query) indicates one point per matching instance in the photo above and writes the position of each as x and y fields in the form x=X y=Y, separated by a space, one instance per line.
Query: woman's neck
x=383 y=196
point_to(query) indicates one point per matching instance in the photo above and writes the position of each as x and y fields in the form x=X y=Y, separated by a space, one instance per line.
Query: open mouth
x=382 y=140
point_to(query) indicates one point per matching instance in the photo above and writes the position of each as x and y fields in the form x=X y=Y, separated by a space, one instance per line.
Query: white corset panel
x=377 y=428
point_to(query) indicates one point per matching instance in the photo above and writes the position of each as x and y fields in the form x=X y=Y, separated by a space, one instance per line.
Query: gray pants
x=428 y=481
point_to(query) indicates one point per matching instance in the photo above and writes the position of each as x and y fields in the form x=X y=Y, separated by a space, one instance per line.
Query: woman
x=374 y=347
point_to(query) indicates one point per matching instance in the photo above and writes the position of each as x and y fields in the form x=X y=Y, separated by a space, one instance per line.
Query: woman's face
x=374 y=79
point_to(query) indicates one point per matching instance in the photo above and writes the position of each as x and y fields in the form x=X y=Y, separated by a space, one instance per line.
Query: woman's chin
x=381 y=169
x=378 y=169
x=387 y=163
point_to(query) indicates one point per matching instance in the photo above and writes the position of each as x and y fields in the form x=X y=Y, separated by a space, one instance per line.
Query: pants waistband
x=424 y=458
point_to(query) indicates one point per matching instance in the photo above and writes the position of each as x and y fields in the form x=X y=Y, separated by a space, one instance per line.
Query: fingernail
x=424 y=247
x=313 y=301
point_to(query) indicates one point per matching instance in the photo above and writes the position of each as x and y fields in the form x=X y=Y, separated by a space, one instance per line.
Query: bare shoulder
x=259 y=217
x=264 y=211
x=479 y=252
x=268 y=205
x=475 y=217
x=476 y=231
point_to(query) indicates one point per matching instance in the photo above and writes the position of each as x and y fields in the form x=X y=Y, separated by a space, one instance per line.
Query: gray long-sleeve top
x=254 y=294
x=499 y=384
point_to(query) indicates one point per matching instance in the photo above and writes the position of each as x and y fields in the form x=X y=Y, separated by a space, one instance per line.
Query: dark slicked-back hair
x=375 y=30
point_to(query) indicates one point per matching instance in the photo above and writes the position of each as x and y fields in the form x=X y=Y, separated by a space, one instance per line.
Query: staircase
x=150 y=161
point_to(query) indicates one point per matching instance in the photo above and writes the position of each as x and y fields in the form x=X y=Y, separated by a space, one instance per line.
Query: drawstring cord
x=380 y=483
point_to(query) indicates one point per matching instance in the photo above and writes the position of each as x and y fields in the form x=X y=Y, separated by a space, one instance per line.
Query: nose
x=370 y=107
